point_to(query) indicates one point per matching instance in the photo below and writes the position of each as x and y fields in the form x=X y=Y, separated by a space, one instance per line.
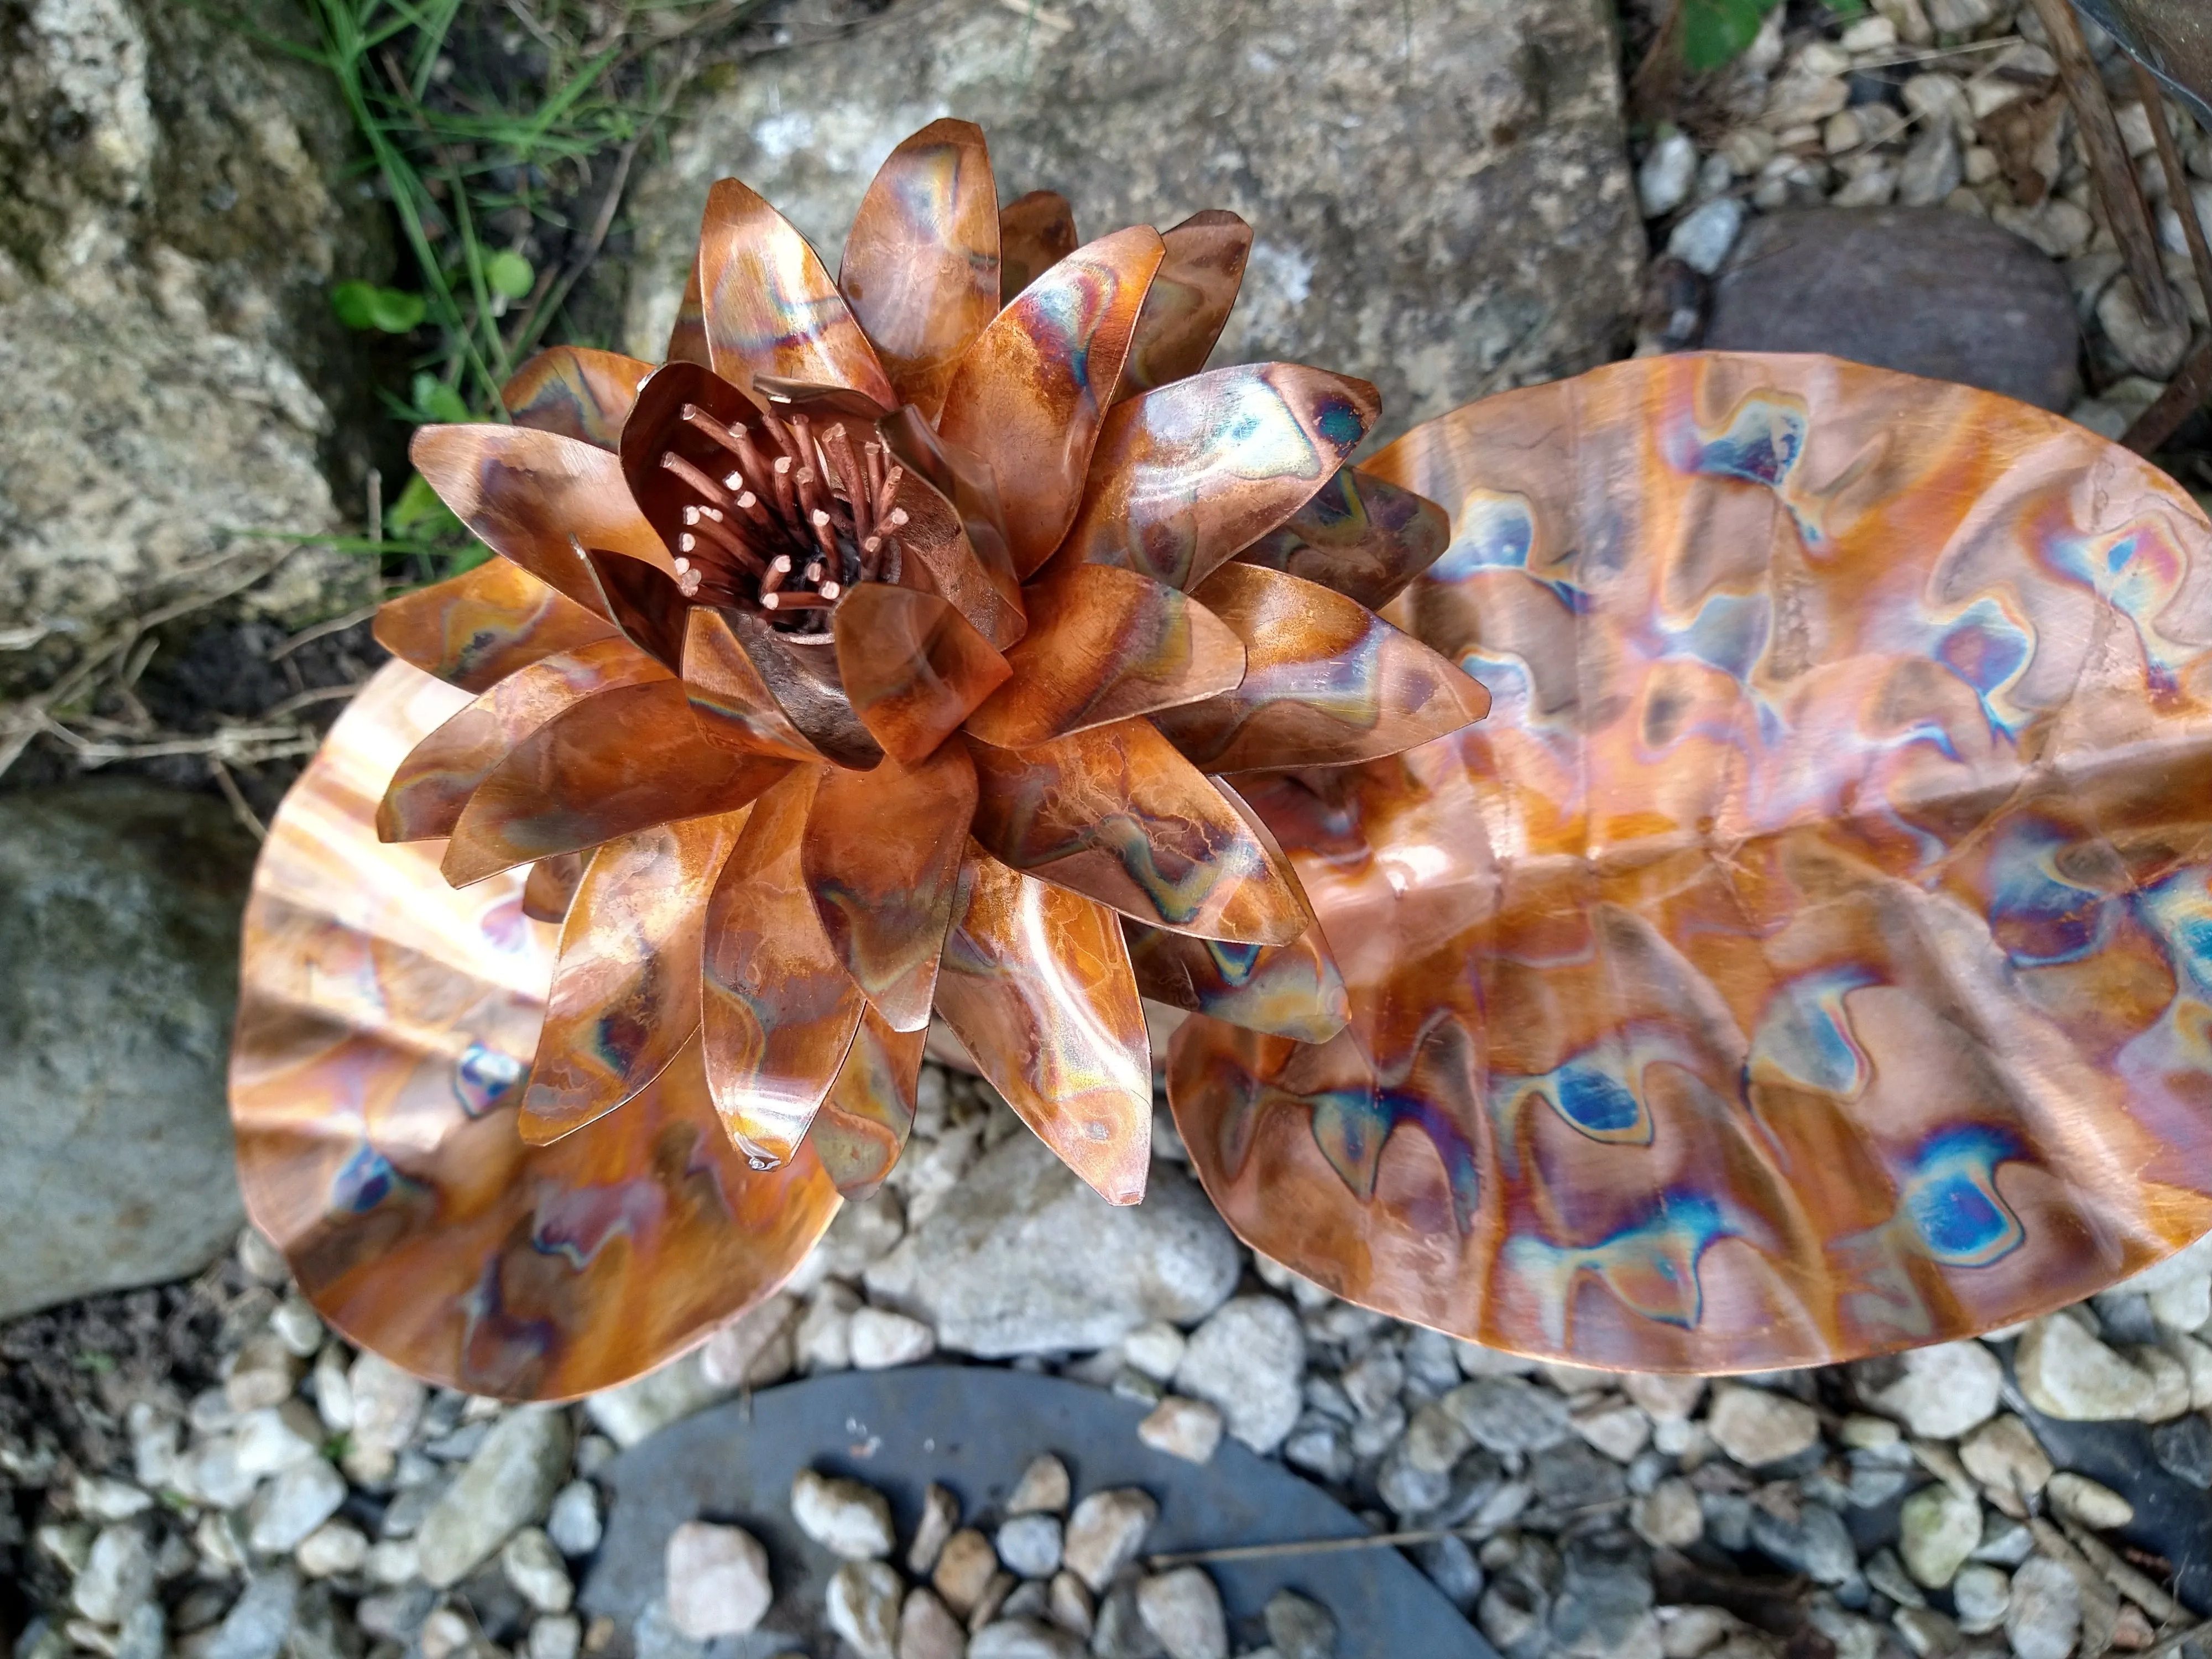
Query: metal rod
x=2185 y=393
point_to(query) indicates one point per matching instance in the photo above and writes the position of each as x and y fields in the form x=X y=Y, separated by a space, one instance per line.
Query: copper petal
x=1036 y=232
x=1329 y=682
x=1102 y=645
x=551 y=887
x=912 y=666
x=862 y=1127
x=769 y=305
x=687 y=335
x=577 y=392
x=476 y=629
x=535 y=496
x=657 y=429
x=1360 y=535
x=384 y=1022
x=1186 y=476
x=434 y=783
x=955 y=528
x=804 y=682
x=920 y=268
x=1115 y=812
x=618 y=762
x=646 y=604
x=1036 y=983
x=1190 y=300
x=625 y=995
x=733 y=703
x=779 y=1009
x=1813 y=962
x=1029 y=396
x=1291 y=990
x=882 y=856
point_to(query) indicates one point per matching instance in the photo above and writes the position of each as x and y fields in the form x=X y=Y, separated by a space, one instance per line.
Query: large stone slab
x=1921 y=290
x=119 y=907
x=1023 y=1258
x=1440 y=193
x=172 y=217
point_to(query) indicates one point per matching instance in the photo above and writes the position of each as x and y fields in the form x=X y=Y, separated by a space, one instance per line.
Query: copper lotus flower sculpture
x=872 y=656
x=1813 y=954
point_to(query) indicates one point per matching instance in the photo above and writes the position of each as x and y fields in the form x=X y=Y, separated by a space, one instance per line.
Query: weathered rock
x=1029 y=1545
x=1937 y=1530
x=846 y=1517
x=1921 y=290
x=509 y=1483
x=864 y=1608
x=1981 y=1593
x=754 y=1349
x=2043 y=1616
x=293 y=1504
x=1044 y=1488
x=1105 y=1533
x=718 y=1580
x=2091 y=1503
x=1475 y=227
x=940 y=1513
x=118 y=1575
x=928 y=1629
x=2068 y=1373
x=2004 y=1454
x=964 y=1569
x=1188 y=1429
x=258 y=1622
x=119 y=908
x=1183 y=1609
x=556 y=1636
x=1669 y=1515
x=1023 y=1638
x=573 y=1523
x=1755 y=1426
x=688 y=1383
x=1509 y=1414
x=1299 y=1628
x=172 y=216
x=1939 y=1392
x=1247 y=1361
x=881 y=1339
x=534 y=1567
x=1032 y=1260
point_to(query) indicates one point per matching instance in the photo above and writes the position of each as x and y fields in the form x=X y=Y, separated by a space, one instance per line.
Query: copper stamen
x=698 y=480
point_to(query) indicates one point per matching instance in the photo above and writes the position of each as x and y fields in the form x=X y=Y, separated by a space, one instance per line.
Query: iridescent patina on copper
x=1813 y=955
x=846 y=668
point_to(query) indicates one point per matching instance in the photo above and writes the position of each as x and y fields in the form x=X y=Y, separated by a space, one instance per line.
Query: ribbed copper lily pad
x=1812 y=955
x=387 y=1022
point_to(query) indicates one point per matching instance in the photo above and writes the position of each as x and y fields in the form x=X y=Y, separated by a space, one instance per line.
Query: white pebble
x=1702 y=240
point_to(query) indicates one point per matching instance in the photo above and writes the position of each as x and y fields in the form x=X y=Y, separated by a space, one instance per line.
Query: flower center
x=798 y=518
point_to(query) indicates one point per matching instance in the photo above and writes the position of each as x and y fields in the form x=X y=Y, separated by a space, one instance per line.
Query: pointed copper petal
x=577 y=392
x=912 y=666
x=768 y=305
x=1029 y=397
x=1187 y=476
x=433 y=784
x=863 y=1126
x=804 y=682
x=1036 y=232
x=625 y=995
x=1115 y=812
x=1036 y=983
x=476 y=629
x=616 y=764
x=779 y=1011
x=882 y=858
x=733 y=703
x=1291 y=990
x=920 y=267
x=955 y=529
x=1102 y=645
x=687 y=336
x=1364 y=537
x=551 y=887
x=647 y=605
x=386 y=1021
x=527 y=493
x=1329 y=682
x=656 y=427
x=1190 y=300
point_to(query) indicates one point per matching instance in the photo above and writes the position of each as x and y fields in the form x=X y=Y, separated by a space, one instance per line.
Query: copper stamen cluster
x=796 y=520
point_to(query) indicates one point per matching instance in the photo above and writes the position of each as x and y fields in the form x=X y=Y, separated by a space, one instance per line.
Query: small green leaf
x=437 y=401
x=418 y=513
x=389 y=311
x=1715 y=31
x=510 y=274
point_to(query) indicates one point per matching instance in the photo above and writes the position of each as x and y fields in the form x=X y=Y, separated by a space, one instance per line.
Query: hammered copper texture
x=1117 y=814
x=385 y=1020
x=921 y=267
x=1037 y=982
x=1187 y=476
x=476 y=629
x=1029 y=395
x=1101 y=645
x=1808 y=958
